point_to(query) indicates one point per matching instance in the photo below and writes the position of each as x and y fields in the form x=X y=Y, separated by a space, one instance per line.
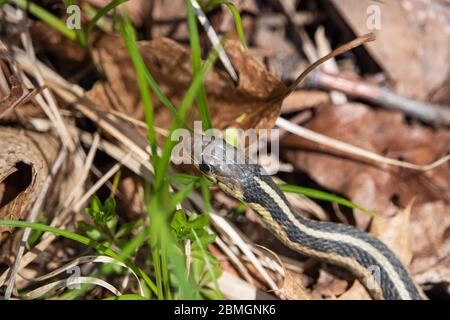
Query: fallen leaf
x=416 y=67
x=356 y=292
x=169 y=63
x=329 y=285
x=429 y=232
x=386 y=133
x=292 y=288
x=439 y=273
x=394 y=232
x=169 y=20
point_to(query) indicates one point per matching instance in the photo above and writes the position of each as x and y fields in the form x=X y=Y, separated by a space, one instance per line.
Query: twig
x=99 y=183
x=215 y=41
x=86 y=169
x=352 y=150
x=338 y=51
x=381 y=96
x=27 y=42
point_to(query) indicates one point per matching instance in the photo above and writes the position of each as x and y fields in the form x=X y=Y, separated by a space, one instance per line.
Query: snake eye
x=205 y=168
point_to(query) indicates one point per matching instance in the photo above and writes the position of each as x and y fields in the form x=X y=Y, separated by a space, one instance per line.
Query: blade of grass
x=320 y=195
x=151 y=81
x=164 y=249
x=45 y=16
x=163 y=162
x=206 y=195
x=180 y=196
x=101 y=13
x=202 y=102
x=215 y=41
x=208 y=265
x=83 y=240
x=236 y=17
x=129 y=36
x=81 y=37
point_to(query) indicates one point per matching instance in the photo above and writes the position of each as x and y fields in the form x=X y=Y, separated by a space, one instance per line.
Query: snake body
x=370 y=260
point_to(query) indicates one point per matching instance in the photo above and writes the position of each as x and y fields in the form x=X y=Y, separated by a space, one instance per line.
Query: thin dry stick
x=86 y=169
x=234 y=260
x=352 y=150
x=323 y=46
x=342 y=49
x=215 y=41
x=74 y=94
x=33 y=215
x=245 y=248
x=18 y=95
x=117 y=153
x=27 y=42
x=99 y=183
x=30 y=256
x=384 y=97
x=139 y=123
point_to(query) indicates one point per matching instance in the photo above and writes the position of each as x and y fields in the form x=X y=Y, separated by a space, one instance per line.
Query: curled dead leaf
x=292 y=288
x=394 y=232
x=244 y=106
x=385 y=133
x=429 y=232
x=416 y=67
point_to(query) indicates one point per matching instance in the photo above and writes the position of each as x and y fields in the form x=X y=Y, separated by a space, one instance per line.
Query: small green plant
x=204 y=267
x=105 y=226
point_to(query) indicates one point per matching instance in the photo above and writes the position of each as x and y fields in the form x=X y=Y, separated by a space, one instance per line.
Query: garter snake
x=371 y=261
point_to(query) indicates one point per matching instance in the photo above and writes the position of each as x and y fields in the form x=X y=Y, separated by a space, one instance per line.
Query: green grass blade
x=236 y=17
x=208 y=265
x=128 y=34
x=101 y=13
x=163 y=163
x=202 y=102
x=237 y=21
x=180 y=196
x=45 y=16
x=83 y=240
x=321 y=195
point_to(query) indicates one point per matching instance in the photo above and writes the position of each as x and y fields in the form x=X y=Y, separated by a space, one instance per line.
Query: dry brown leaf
x=292 y=288
x=49 y=40
x=416 y=67
x=170 y=64
x=169 y=20
x=329 y=285
x=394 y=232
x=430 y=226
x=356 y=292
x=439 y=273
x=382 y=132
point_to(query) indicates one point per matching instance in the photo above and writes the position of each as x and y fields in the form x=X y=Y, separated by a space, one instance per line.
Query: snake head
x=222 y=163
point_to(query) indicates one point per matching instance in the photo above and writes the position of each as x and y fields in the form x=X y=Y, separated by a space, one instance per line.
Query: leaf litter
x=413 y=205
